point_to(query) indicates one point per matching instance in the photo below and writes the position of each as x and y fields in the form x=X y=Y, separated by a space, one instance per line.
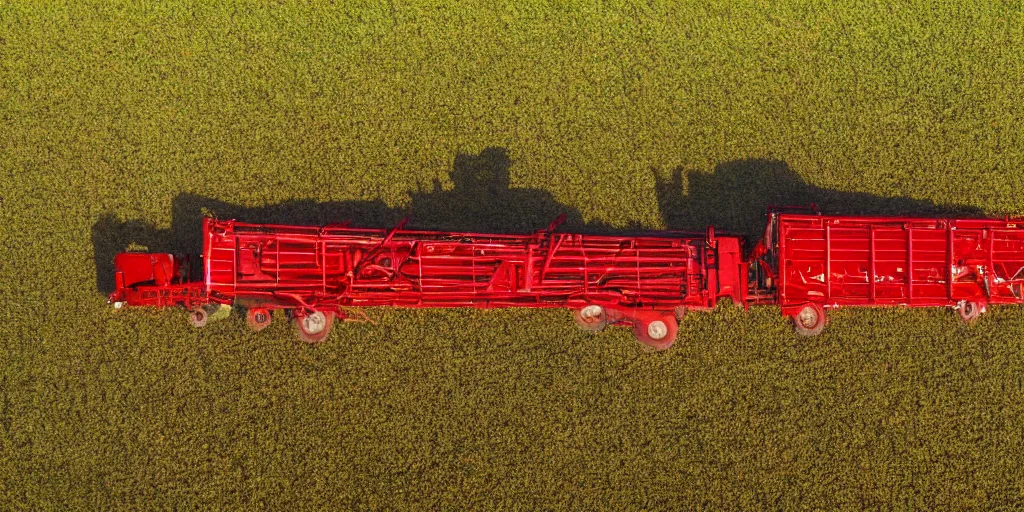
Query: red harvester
x=319 y=274
x=805 y=263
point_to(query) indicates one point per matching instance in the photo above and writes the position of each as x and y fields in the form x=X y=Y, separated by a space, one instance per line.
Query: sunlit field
x=122 y=125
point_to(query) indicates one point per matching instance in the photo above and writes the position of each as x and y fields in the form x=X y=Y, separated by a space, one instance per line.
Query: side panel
x=732 y=270
x=330 y=267
x=877 y=261
x=145 y=279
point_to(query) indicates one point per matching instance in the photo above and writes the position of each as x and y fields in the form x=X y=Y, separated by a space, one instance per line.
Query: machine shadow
x=480 y=199
x=735 y=197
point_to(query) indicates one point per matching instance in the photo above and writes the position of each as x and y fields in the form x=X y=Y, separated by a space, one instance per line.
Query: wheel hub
x=591 y=313
x=808 y=317
x=657 y=330
x=314 y=322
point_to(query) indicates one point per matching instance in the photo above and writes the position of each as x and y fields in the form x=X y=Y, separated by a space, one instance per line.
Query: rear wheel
x=257 y=318
x=658 y=333
x=591 y=318
x=810 y=320
x=969 y=310
x=313 y=327
x=198 y=317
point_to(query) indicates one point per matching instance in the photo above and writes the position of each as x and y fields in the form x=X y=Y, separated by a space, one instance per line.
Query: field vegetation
x=123 y=123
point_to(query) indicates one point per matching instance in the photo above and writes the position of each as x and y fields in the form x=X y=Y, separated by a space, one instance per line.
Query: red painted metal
x=142 y=279
x=840 y=261
x=637 y=280
x=805 y=262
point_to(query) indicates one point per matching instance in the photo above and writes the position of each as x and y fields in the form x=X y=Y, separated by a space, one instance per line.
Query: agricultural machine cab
x=144 y=279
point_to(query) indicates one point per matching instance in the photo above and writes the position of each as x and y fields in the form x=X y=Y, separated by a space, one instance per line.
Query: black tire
x=810 y=320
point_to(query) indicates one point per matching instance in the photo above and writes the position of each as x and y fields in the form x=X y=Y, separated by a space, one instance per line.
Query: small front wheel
x=313 y=327
x=658 y=333
x=591 y=318
x=810 y=320
x=969 y=310
x=258 y=318
x=198 y=317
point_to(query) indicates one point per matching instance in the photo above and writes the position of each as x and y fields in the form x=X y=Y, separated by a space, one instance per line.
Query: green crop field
x=123 y=124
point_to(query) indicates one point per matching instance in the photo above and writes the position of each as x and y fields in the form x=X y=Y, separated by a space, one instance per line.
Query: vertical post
x=528 y=281
x=828 y=262
x=419 y=268
x=472 y=262
x=910 y=264
x=234 y=266
x=207 y=252
x=780 y=261
x=636 y=252
x=690 y=277
x=711 y=263
x=990 y=272
x=321 y=246
x=871 y=257
x=586 y=274
x=949 y=260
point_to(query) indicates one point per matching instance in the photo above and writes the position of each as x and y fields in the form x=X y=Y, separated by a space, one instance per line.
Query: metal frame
x=803 y=259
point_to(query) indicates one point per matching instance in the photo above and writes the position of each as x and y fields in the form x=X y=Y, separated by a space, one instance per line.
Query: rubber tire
x=591 y=324
x=813 y=321
x=969 y=310
x=642 y=331
x=313 y=338
x=198 y=317
x=258 y=318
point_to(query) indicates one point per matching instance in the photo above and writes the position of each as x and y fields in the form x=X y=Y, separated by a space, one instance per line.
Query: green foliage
x=118 y=119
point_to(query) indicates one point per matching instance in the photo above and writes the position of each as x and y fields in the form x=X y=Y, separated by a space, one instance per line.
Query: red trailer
x=812 y=262
x=319 y=274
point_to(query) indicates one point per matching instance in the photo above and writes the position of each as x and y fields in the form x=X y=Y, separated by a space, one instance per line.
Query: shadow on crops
x=482 y=199
x=735 y=197
x=479 y=198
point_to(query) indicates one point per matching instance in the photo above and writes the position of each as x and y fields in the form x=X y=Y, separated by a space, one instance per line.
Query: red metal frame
x=805 y=262
x=635 y=279
x=839 y=261
x=144 y=279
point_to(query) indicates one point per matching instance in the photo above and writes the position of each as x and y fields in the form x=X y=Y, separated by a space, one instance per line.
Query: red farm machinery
x=320 y=274
x=805 y=263
x=812 y=262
